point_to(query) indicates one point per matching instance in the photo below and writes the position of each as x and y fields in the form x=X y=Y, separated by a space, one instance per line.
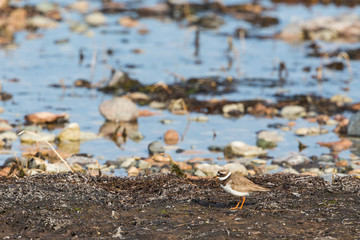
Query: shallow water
x=169 y=47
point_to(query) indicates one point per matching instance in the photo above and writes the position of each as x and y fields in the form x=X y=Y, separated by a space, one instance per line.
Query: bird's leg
x=242 y=202
x=237 y=205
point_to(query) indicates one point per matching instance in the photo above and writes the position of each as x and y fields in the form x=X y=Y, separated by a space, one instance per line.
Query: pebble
x=136 y=136
x=143 y=164
x=70 y=133
x=232 y=110
x=342 y=163
x=200 y=173
x=128 y=162
x=293 y=112
x=238 y=148
x=236 y=167
x=82 y=160
x=353 y=128
x=326 y=157
x=5 y=127
x=290 y=170
x=79 y=6
x=259 y=162
x=303 y=131
x=157 y=105
x=330 y=170
x=291 y=160
x=8 y=136
x=119 y=109
x=42 y=22
x=270 y=136
x=133 y=171
x=46 y=7
x=202 y=119
x=87 y=136
x=155 y=148
x=56 y=168
x=208 y=169
x=166 y=121
x=41 y=136
x=341 y=99
x=95 y=19
x=171 y=137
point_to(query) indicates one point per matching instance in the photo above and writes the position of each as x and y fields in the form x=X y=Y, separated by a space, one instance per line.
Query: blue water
x=168 y=47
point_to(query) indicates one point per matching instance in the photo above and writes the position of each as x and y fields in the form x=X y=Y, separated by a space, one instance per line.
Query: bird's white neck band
x=224 y=178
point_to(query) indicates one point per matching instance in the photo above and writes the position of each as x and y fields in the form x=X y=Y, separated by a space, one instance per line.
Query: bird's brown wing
x=242 y=184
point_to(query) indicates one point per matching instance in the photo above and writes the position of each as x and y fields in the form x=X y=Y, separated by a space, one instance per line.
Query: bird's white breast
x=228 y=189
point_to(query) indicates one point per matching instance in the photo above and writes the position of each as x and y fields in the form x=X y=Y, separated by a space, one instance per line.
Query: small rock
x=330 y=170
x=157 y=105
x=79 y=6
x=292 y=160
x=208 y=169
x=238 y=148
x=341 y=99
x=9 y=161
x=82 y=160
x=259 y=162
x=166 y=121
x=40 y=137
x=303 y=131
x=5 y=127
x=133 y=171
x=8 y=137
x=236 y=167
x=42 y=22
x=171 y=137
x=95 y=19
x=199 y=173
x=87 y=136
x=136 y=136
x=155 y=148
x=56 y=168
x=353 y=128
x=201 y=119
x=293 y=112
x=36 y=163
x=270 y=136
x=342 y=163
x=128 y=163
x=143 y=164
x=290 y=170
x=70 y=133
x=215 y=148
x=233 y=110
x=326 y=158
x=119 y=109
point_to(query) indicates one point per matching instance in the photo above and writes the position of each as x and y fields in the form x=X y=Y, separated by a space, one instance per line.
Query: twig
x=345 y=56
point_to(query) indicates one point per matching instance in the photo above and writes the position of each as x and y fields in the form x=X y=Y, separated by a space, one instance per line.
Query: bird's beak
x=215 y=177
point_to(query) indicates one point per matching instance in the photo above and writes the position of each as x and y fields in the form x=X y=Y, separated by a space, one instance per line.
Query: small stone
x=171 y=137
x=208 y=169
x=136 y=136
x=236 y=167
x=233 y=110
x=79 y=6
x=42 y=22
x=201 y=119
x=353 y=128
x=341 y=99
x=9 y=136
x=259 y=162
x=128 y=163
x=70 y=133
x=342 y=163
x=166 y=121
x=293 y=112
x=238 y=148
x=303 y=131
x=56 y=168
x=326 y=158
x=143 y=164
x=155 y=148
x=157 y=105
x=133 y=171
x=39 y=137
x=330 y=170
x=119 y=109
x=5 y=127
x=95 y=19
x=199 y=173
x=291 y=160
x=270 y=136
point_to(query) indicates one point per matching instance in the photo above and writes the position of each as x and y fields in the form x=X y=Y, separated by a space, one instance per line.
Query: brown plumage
x=237 y=185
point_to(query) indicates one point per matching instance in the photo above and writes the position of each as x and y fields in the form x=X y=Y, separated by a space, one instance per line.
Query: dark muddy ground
x=66 y=206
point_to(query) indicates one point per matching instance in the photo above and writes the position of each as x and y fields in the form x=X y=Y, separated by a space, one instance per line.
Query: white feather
x=228 y=189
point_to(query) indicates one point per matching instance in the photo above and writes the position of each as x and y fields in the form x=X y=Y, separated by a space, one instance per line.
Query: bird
x=237 y=185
